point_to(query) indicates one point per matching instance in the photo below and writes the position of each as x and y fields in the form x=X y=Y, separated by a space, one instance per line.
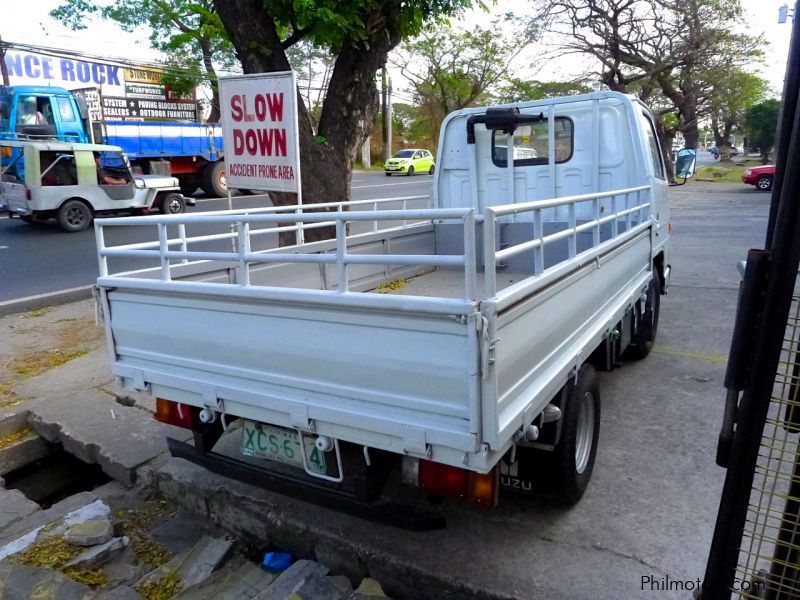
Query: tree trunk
x=211 y=74
x=665 y=141
x=348 y=111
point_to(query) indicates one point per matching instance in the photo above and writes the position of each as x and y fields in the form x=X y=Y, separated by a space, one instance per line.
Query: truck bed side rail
x=627 y=203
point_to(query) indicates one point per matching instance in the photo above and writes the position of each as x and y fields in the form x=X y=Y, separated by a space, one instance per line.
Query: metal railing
x=298 y=221
x=633 y=204
x=629 y=206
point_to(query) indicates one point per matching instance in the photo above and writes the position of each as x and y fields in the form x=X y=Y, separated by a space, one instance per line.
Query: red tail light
x=174 y=413
x=453 y=482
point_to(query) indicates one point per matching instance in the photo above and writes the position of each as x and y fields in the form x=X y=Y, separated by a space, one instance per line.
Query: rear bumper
x=315 y=492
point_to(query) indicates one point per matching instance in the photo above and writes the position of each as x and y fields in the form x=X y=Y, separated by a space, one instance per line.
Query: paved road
x=42 y=259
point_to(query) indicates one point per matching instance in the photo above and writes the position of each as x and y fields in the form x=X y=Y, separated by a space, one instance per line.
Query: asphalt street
x=39 y=259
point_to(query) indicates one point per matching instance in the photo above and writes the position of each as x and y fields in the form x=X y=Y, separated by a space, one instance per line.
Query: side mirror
x=685 y=164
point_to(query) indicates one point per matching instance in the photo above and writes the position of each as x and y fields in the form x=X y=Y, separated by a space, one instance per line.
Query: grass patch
x=385 y=288
x=11 y=438
x=54 y=553
x=721 y=173
x=37 y=313
x=35 y=364
x=161 y=589
x=135 y=523
x=8 y=397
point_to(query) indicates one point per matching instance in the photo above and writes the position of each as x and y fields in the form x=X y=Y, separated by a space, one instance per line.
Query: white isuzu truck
x=450 y=341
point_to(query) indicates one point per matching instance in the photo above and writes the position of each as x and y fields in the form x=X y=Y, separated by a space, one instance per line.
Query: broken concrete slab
x=15 y=506
x=122 y=592
x=90 y=533
x=368 y=589
x=202 y=560
x=325 y=588
x=23 y=582
x=122 y=573
x=231 y=583
x=98 y=555
x=70 y=406
x=13 y=422
x=292 y=579
x=72 y=510
x=179 y=533
x=23 y=452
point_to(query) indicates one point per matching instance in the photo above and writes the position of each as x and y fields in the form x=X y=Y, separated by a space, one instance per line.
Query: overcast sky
x=32 y=25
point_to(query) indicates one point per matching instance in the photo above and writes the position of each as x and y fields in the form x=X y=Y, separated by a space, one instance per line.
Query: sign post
x=262 y=144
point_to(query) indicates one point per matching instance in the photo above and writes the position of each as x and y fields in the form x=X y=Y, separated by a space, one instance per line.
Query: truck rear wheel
x=213 y=179
x=647 y=322
x=74 y=216
x=569 y=467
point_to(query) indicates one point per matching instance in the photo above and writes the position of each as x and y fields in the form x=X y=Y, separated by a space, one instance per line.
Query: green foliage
x=332 y=24
x=189 y=32
x=518 y=90
x=733 y=92
x=450 y=69
x=761 y=123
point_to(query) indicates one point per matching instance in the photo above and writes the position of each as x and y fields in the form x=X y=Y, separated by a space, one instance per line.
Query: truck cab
x=40 y=112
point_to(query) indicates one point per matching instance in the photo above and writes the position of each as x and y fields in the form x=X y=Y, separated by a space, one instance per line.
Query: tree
x=359 y=34
x=313 y=66
x=450 y=69
x=761 y=124
x=188 y=31
x=673 y=47
x=519 y=90
x=732 y=94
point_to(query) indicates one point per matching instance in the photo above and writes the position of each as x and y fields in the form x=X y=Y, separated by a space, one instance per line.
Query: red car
x=761 y=177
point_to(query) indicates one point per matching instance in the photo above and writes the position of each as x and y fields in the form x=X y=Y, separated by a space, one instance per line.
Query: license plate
x=273 y=443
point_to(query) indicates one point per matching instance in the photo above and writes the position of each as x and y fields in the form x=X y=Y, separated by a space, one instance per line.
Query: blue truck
x=188 y=150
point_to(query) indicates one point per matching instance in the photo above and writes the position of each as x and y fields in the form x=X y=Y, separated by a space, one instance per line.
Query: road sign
x=259 y=117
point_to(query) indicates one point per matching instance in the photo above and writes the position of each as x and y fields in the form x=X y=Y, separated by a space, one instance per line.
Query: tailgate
x=399 y=381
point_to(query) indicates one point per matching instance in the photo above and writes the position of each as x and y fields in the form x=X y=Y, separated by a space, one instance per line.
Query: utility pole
x=389 y=120
x=387 y=149
x=366 y=159
x=3 y=66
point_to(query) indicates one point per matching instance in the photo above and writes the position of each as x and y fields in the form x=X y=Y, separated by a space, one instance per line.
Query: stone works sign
x=120 y=92
x=259 y=116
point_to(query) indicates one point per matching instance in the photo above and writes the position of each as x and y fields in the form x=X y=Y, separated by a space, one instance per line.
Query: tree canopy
x=761 y=123
x=188 y=31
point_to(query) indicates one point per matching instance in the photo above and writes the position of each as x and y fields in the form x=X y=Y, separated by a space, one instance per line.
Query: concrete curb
x=18 y=305
x=260 y=517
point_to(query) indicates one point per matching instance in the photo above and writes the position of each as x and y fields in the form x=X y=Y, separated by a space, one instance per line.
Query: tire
x=568 y=468
x=431 y=170
x=74 y=216
x=410 y=171
x=764 y=183
x=647 y=324
x=388 y=174
x=173 y=204
x=213 y=179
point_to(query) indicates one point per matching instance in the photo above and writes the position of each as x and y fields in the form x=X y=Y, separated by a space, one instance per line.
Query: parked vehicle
x=761 y=177
x=734 y=151
x=73 y=183
x=471 y=365
x=410 y=161
x=190 y=151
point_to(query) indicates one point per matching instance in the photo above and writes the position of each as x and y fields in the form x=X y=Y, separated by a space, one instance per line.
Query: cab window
x=652 y=144
x=65 y=110
x=34 y=110
x=112 y=168
x=532 y=143
x=58 y=168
